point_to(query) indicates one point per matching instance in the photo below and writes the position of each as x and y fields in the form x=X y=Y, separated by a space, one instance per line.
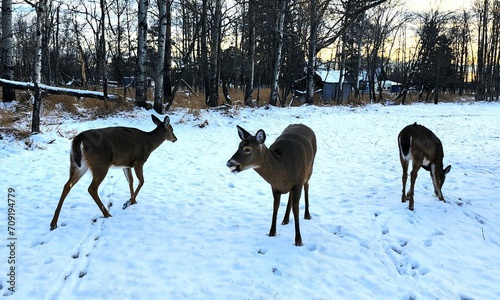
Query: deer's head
x=249 y=153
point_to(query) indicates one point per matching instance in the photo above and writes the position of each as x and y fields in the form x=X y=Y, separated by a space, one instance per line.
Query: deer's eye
x=247 y=150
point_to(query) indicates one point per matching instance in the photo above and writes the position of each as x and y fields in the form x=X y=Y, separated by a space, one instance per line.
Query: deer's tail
x=404 y=144
x=76 y=150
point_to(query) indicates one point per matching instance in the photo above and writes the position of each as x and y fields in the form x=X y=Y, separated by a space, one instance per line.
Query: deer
x=101 y=149
x=286 y=165
x=420 y=145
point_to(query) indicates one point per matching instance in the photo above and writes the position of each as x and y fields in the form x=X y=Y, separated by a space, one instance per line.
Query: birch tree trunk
x=160 y=58
x=102 y=47
x=140 y=89
x=41 y=8
x=280 y=19
x=7 y=50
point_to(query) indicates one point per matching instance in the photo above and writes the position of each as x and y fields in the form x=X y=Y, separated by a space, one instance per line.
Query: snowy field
x=200 y=232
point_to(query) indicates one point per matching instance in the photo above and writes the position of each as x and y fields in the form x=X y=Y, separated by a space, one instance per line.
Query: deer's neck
x=155 y=138
x=271 y=167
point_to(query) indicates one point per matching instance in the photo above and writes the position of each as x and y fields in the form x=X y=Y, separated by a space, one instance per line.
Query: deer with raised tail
x=122 y=147
x=424 y=149
x=286 y=165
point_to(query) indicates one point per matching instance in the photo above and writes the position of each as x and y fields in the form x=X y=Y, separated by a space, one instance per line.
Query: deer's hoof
x=53 y=226
x=298 y=243
x=127 y=204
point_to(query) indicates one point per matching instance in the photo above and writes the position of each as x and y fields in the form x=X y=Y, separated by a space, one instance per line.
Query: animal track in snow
x=79 y=263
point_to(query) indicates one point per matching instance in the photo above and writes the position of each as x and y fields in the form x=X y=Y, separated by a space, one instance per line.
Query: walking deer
x=424 y=149
x=123 y=147
x=286 y=165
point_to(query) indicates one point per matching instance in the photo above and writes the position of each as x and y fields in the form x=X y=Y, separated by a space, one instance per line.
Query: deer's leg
x=404 y=178
x=295 y=194
x=416 y=166
x=74 y=176
x=140 y=177
x=130 y=180
x=286 y=218
x=98 y=177
x=276 y=206
x=437 y=188
x=307 y=215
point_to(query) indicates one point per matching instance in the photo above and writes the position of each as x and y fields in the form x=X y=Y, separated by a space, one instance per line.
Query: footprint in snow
x=385 y=230
x=37 y=243
x=276 y=271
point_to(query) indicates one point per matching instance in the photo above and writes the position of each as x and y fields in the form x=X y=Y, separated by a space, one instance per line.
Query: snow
x=200 y=232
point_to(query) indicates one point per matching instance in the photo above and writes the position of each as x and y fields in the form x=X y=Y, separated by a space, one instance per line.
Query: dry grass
x=15 y=118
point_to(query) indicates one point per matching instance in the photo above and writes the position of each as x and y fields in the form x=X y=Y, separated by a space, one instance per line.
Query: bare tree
x=434 y=69
x=461 y=32
x=250 y=51
x=331 y=29
x=385 y=22
x=160 y=56
x=278 y=46
x=215 y=47
x=7 y=50
x=482 y=9
x=101 y=57
x=204 y=50
x=168 y=91
x=141 y=82
x=41 y=9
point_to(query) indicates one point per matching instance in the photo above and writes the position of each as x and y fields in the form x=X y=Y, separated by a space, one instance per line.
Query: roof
x=333 y=76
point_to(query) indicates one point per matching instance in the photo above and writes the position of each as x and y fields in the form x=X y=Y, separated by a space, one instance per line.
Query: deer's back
x=297 y=148
x=122 y=146
x=419 y=139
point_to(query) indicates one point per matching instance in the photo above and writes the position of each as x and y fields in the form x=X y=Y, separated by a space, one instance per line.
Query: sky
x=424 y=5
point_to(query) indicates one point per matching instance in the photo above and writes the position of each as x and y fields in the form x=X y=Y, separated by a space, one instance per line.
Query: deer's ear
x=166 y=121
x=447 y=170
x=242 y=132
x=156 y=120
x=260 y=136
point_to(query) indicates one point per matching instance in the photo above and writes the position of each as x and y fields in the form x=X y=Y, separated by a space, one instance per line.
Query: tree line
x=211 y=45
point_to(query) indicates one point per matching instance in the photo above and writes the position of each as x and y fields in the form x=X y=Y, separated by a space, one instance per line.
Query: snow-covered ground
x=200 y=232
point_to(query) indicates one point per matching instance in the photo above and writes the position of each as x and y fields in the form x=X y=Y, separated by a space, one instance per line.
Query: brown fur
x=99 y=149
x=424 y=149
x=287 y=166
